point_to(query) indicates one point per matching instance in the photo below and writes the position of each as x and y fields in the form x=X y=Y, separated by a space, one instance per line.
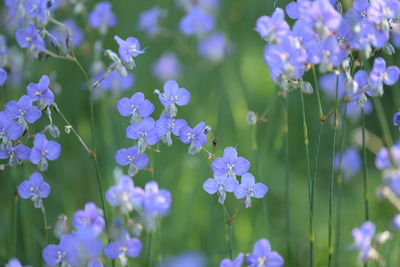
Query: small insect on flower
x=35 y=188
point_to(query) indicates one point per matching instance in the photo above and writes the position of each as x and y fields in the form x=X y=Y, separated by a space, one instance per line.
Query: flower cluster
x=323 y=36
x=225 y=171
x=262 y=255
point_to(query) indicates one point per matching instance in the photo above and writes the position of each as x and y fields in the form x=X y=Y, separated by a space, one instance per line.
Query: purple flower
x=237 y=262
x=292 y=10
x=102 y=17
x=380 y=75
x=230 y=164
x=55 y=254
x=196 y=22
x=350 y=163
x=29 y=37
x=196 y=137
x=167 y=67
x=320 y=13
x=286 y=58
x=125 y=195
x=156 y=201
x=137 y=161
x=274 y=27
x=392 y=179
x=14 y=262
x=89 y=219
x=137 y=107
x=120 y=249
x=185 y=259
x=173 y=95
x=83 y=248
x=362 y=239
x=149 y=20
x=35 y=188
x=248 y=189
x=370 y=34
x=128 y=49
x=16 y=154
x=167 y=125
x=396 y=222
x=9 y=129
x=3 y=76
x=145 y=132
x=221 y=185
x=215 y=47
x=381 y=10
x=44 y=150
x=396 y=119
x=383 y=161
x=23 y=110
x=40 y=91
x=36 y=9
x=262 y=255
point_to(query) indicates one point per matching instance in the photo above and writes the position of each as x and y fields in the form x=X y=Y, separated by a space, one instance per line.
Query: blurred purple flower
x=215 y=47
x=3 y=76
x=149 y=20
x=263 y=255
x=248 y=189
x=272 y=28
x=196 y=22
x=36 y=9
x=396 y=119
x=102 y=16
x=167 y=67
x=396 y=222
x=89 y=219
x=125 y=195
x=61 y=34
x=116 y=82
x=156 y=201
x=35 y=188
x=350 y=163
x=237 y=262
x=55 y=254
x=120 y=249
x=362 y=239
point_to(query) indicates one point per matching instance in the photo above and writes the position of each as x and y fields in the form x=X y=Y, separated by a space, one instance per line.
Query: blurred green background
x=222 y=94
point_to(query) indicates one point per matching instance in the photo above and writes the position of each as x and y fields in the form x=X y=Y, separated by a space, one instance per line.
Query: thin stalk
x=330 y=221
x=149 y=249
x=383 y=122
x=46 y=235
x=307 y=150
x=339 y=181
x=95 y=162
x=365 y=168
x=15 y=226
x=229 y=228
x=287 y=181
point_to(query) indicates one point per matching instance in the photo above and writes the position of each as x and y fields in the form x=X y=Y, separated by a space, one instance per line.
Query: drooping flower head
x=230 y=164
x=263 y=256
x=128 y=49
x=248 y=189
x=35 y=188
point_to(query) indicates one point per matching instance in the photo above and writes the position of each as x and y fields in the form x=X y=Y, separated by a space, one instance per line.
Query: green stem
x=307 y=150
x=149 y=249
x=383 y=122
x=15 y=226
x=339 y=181
x=330 y=221
x=46 y=235
x=229 y=229
x=287 y=182
x=365 y=168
